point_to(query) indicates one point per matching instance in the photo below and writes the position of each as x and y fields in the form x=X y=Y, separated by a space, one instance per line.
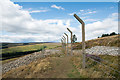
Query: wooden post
x=43 y=52
x=64 y=43
x=71 y=40
x=67 y=43
x=83 y=38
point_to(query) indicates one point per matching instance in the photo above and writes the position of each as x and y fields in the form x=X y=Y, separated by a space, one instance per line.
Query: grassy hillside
x=13 y=52
x=8 y=45
x=61 y=66
x=104 y=41
x=17 y=51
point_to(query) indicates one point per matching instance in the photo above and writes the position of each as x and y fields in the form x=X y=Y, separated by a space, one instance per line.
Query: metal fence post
x=83 y=38
x=67 y=42
x=71 y=40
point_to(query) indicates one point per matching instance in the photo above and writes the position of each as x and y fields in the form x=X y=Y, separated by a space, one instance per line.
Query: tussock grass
x=104 y=41
x=33 y=69
x=96 y=70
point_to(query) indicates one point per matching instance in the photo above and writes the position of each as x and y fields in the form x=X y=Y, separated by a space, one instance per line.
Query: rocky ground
x=100 y=50
x=27 y=59
x=103 y=50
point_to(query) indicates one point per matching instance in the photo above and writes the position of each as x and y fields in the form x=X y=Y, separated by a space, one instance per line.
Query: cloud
x=97 y=28
x=57 y=7
x=38 y=11
x=90 y=20
x=28 y=38
x=18 y=21
x=81 y=10
x=111 y=7
x=21 y=27
x=71 y=14
x=84 y=12
x=91 y=12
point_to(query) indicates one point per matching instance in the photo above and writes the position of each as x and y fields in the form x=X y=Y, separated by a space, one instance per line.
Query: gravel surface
x=103 y=50
x=100 y=50
x=27 y=59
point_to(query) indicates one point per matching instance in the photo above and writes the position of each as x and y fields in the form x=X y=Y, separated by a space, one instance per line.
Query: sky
x=65 y=0
x=47 y=21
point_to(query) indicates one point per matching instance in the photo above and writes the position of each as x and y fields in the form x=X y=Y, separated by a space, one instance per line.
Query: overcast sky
x=47 y=21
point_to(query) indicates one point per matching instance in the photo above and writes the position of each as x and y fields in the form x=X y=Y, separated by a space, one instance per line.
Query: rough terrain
x=27 y=59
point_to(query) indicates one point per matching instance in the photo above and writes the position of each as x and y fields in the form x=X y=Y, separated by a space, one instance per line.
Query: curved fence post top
x=64 y=37
x=69 y=30
x=66 y=34
x=80 y=20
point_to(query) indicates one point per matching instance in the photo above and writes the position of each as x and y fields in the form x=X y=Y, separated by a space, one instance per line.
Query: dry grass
x=104 y=41
x=55 y=66
x=61 y=66
x=96 y=70
x=31 y=70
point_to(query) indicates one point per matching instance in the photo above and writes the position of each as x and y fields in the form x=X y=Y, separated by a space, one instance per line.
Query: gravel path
x=27 y=59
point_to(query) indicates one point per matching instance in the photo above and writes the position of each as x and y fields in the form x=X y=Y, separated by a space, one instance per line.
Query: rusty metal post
x=64 y=43
x=83 y=38
x=71 y=40
x=67 y=42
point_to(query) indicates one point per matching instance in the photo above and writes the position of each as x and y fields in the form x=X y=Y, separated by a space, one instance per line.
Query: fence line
x=109 y=62
x=91 y=57
x=101 y=64
x=105 y=65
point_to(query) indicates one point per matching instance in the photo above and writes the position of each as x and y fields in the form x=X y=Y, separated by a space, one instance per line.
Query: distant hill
x=103 y=41
x=7 y=45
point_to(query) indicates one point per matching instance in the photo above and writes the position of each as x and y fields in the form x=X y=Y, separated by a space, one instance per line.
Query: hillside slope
x=62 y=66
x=104 y=41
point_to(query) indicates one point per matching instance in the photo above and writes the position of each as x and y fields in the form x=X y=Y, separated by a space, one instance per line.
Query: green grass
x=29 y=48
x=18 y=51
x=22 y=49
x=74 y=73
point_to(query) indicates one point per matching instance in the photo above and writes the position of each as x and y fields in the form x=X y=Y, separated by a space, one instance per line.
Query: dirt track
x=50 y=67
